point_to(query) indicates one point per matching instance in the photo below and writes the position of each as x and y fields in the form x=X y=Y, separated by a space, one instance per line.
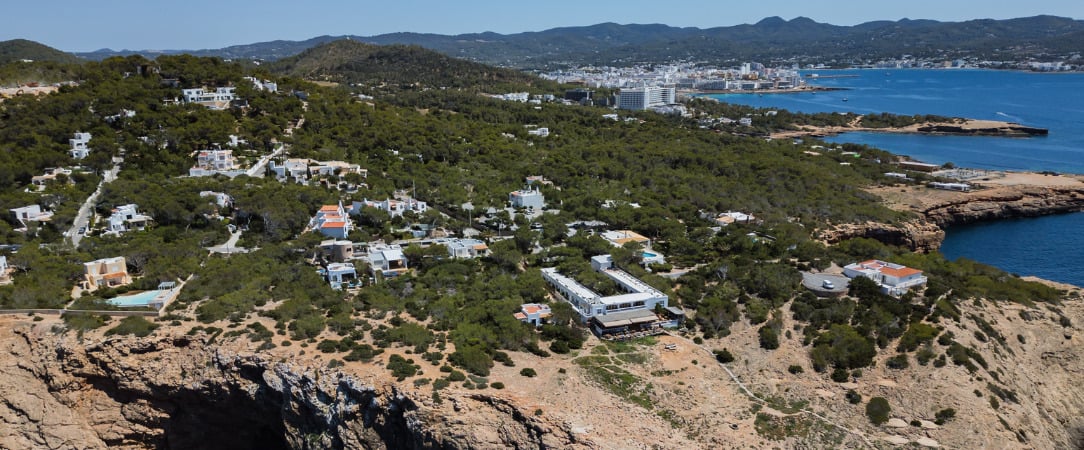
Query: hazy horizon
x=71 y=25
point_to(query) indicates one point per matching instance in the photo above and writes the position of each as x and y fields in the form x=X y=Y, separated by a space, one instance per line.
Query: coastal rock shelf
x=1007 y=203
x=1006 y=130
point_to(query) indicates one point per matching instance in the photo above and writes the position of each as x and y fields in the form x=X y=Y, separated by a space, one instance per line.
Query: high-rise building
x=646 y=97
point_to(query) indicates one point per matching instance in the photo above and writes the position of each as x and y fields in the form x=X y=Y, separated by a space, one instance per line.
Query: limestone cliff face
x=917 y=235
x=179 y=392
x=1022 y=201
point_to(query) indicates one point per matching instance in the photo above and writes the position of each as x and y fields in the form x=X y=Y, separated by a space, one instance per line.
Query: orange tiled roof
x=900 y=273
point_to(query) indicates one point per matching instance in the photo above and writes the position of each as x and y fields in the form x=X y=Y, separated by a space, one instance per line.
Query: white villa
x=332 y=221
x=634 y=307
x=533 y=313
x=220 y=98
x=894 y=279
x=394 y=207
x=127 y=218
x=527 y=198
x=466 y=248
x=38 y=182
x=212 y=162
x=107 y=272
x=339 y=274
x=31 y=213
x=79 y=149
x=387 y=260
x=299 y=170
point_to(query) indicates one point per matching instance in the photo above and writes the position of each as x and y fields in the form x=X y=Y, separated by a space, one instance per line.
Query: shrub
x=497 y=385
x=897 y=362
x=698 y=340
x=853 y=397
x=136 y=325
x=877 y=410
x=474 y=359
x=401 y=367
x=441 y=383
x=559 y=347
x=795 y=369
x=528 y=372
x=456 y=375
x=944 y=415
x=840 y=375
x=769 y=337
x=724 y=356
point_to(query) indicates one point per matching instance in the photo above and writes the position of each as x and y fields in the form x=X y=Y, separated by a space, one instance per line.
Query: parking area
x=825 y=284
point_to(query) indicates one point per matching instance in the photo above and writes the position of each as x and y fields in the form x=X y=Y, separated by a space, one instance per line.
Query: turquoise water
x=1049 y=247
x=133 y=301
x=649 y=255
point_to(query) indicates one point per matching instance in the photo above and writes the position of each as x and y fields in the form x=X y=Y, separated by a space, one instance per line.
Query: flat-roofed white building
x=894 y=279
x=220 y=98
x=527 y=198
x=466 y=248
x=215 y=162
x=79 y=149
x=341 y=274
x=387 y=260
x=638 y=296
x=127 y=218
x=332 y=221
x=533 y=313
x=394 y=207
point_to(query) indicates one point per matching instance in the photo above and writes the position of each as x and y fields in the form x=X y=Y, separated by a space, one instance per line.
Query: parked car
x=827 y=284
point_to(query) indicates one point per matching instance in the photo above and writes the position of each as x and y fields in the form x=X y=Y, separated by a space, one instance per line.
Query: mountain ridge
x=770 y=39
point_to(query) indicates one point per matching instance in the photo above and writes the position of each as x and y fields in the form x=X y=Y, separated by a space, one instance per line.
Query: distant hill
x=351 y=61
x=770 y=40
x=20 y=49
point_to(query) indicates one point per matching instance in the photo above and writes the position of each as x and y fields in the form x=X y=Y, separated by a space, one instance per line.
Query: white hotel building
x=643 y=98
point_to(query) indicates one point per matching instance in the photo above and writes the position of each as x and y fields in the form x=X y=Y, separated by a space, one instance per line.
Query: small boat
x=844 y=98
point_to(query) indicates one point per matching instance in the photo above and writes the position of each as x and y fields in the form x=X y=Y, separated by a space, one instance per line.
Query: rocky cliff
x=917 y=235
x=59 y=392
x=1006 y=203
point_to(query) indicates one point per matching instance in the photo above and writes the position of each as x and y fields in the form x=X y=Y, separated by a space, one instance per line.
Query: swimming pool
x=141 y=299
x=649 y=255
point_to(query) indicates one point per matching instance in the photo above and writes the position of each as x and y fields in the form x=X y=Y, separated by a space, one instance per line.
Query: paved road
x=230 y=246
x=83 y=218
x=257 y=169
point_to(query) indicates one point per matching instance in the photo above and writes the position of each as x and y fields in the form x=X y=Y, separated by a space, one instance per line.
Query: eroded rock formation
x=178 y=392
x=1006 y=203
x=917 y=235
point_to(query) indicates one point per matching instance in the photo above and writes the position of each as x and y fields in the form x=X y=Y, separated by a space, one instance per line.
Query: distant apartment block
x=894 y=279
x=79 y=149
x=106 y=272
x=215 y=162
x=527 y=198
x=644 y=98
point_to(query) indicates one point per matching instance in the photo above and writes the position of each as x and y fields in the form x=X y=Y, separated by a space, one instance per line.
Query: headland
x=958 y=127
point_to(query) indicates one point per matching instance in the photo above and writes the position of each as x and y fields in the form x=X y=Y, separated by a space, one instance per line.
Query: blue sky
x=81 y=25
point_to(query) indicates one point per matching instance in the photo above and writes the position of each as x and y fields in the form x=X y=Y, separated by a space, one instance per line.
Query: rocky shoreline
x=959 y=127
x=1016 y=195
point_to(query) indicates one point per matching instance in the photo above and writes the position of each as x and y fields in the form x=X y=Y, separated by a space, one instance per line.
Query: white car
x=827 y=284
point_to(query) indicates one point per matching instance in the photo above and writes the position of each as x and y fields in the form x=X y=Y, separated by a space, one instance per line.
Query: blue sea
x=1048 y=247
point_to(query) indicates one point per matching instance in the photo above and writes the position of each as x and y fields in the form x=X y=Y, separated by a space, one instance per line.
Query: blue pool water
x=1049 y=247
x=649 y=255
x=136 y=300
